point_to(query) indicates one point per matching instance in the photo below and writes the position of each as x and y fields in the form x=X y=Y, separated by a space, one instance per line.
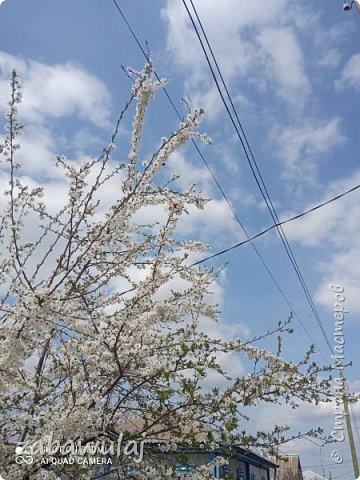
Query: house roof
x=158 y=433
x=256 y=458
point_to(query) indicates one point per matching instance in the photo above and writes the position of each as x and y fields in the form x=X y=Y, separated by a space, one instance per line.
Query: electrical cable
x=327 y=464
x=282 y=293
x=283 y=222
x=265 y=195
x=146 y=55
x=260 y=183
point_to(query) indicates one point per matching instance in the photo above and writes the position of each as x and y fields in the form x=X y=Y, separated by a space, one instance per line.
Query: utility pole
x=349 y=431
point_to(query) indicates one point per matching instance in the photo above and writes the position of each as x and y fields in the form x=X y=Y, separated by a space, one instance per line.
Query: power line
x=253 y=164
x=277 y=223
x=146 y=55
x=327 y=465
x=281 y=291
x=283 y=222
x=260 y=183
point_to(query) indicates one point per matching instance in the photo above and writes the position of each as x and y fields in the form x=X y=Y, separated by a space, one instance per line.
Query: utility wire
x=281 y=291
x=146 y=55
x=279 y=224
x=260 y=183
x=283 y=222
x=326 y=465
x=253 y=164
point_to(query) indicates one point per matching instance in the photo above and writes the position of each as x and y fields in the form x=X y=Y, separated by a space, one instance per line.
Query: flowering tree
x=87 y=295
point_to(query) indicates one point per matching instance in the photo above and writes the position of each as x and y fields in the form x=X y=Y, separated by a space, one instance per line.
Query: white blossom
x=83 y=300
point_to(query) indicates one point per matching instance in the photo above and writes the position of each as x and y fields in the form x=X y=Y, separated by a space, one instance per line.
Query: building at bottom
x=289 y=468
x=241 y=464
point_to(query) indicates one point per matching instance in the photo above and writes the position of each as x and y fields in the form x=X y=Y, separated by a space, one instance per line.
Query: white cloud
x=299 y=147
x=231 y=364
x=225 y=22
x=205 y=96
x=38 y=152
x=341 y=270
x=51 y=92
x=350 y=75
x=330 y=58
x=189 y=173
x=336 y=223
x=215 y=221
x=300 y=418
x=283 y=60
x=274 y=59
x=335 y=229
x=54 y=91
x=326 y=39
x=230 y=162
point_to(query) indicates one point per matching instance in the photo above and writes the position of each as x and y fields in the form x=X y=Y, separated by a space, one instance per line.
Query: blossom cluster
x=93 y=333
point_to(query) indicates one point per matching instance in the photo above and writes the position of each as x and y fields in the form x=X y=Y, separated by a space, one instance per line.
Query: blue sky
x=293 y=69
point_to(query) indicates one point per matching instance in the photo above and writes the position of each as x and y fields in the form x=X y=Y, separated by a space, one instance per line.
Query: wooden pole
x=350 y=432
